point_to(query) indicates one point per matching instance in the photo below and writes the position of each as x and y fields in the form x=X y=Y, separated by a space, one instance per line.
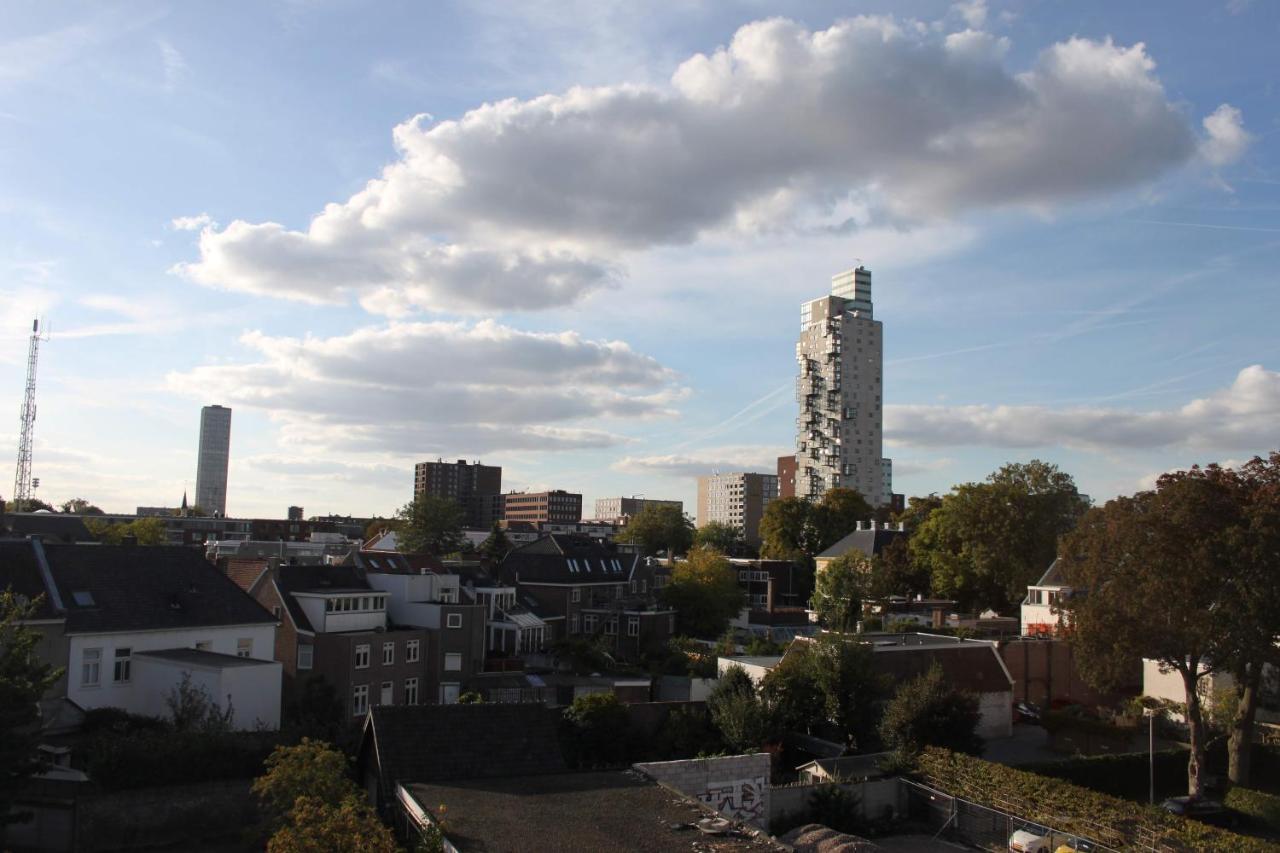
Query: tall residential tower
x=839 y=436
x=215 y=454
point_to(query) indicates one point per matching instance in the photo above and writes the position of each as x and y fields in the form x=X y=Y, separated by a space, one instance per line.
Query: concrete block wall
x=736 y=786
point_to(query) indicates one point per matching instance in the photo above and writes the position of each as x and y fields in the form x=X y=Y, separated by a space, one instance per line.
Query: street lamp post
x=1150 y=714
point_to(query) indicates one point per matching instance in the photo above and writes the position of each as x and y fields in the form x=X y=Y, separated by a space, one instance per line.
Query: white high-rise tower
x=839 y=434
x=215 y=454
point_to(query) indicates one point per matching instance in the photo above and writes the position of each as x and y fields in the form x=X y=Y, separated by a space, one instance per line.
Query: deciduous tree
x=838 y=591
x=736 y=711
x=350 y=826
x=24 y=679
x=430 y=524
x=835 y=517
x=1155 y=570
x=659 y=527
x=718 y=536
x=927 y=711
x=312 y=769
x=783 y=530
x=704 y=592
x=496 y=546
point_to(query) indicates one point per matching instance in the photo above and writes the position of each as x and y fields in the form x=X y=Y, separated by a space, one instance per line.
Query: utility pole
x=23 y=492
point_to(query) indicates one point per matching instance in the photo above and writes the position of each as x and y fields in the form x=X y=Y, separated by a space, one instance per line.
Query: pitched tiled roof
x=867 y=542
x=1053 y=576
x=438 y=743
x=20 y=572
x=52 y=526
x=395 y=563
x=567 y=559
x=142 y=588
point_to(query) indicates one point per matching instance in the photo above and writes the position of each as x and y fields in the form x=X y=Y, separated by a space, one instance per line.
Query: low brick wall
x=735 y=785
x=173 y=815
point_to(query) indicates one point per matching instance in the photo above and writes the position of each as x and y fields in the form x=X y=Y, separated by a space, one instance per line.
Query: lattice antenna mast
x=22 y=494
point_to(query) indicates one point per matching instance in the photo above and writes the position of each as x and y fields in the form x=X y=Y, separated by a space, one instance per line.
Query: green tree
x=784 y=529
x=1155 y=571
x=838 y=591
x=927 y=711
x=659 y=528
x=599 y=728
x=827 y=682
x=496 y=546
x=704 y=592
x=736 y=711
x=146 y=531
x=349 y=826
x=918 y=511
x=1252 y=597
x=987 y=541
x=80 y=506
x=431 y=525
x=29 y=505
x=24 y=679
x=835 y=517
x=312 y=769
x=192 y=708
x=718 y=536
x=894 y=572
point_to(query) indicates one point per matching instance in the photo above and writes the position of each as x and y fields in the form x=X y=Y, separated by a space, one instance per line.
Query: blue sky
x=572 y=238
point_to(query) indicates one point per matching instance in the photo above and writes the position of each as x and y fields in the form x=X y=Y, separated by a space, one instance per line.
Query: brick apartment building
x=556 y=506
x=462 y=482
x=584 y=589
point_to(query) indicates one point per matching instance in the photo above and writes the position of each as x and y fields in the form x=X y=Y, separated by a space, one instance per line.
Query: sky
x=572 y=239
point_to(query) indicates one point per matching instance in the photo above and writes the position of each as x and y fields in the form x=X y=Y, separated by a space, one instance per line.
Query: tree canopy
x=783 y=529
x=829 y=682
x=985 y=542
x=659 y=527
x=430 y=524
x=24 y=678
x=704 y=592
x=146 y=531
x=795 y=529
x=927 y=711
x=718 y=536
x=838 y=591
x=1155 y=573
x=80 y=506
x=496 y=546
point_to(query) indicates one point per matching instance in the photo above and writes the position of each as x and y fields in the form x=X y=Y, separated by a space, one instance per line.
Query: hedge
x=1126 y=775
x=1263 y=809
x=144 y=759
x=1109 y=820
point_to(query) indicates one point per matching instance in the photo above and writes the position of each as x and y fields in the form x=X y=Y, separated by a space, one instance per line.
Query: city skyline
x=358 y=264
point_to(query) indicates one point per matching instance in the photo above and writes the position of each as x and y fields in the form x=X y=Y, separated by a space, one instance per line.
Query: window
x=275 y=611
x=411 y=691
x=204 y=645
x=635 y=585
x=306 y=655
x=362 y=656
x=244 y=647
x=121 y=673
x=644 y=585
x=575 y=595
x=91 y=668
x=411 y=651
x=453 y=620
x=611 y=625
x=388 y=654
x=573 y=624
x=453 y=662
x=359 y=700
x=633 y=626
x=388 y=696
x=589 y=623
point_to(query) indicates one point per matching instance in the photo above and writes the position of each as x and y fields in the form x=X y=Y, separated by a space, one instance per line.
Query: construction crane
x=23 y=492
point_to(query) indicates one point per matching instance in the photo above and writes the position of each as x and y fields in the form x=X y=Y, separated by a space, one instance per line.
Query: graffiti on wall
x=740 y=799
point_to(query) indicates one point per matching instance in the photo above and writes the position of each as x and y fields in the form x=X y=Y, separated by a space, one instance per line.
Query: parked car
x=1038 y=839
x=1202 y=809
x=1025 y=712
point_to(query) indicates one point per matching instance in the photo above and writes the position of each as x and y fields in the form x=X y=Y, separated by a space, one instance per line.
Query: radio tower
x=22 y=494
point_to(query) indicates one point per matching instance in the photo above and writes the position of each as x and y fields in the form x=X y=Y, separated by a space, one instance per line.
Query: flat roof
x=603 y=811
x=755 y=660
x=200 y=657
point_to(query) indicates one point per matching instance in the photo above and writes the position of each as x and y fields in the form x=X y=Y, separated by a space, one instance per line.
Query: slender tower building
x=215 y=454
x=839 y=434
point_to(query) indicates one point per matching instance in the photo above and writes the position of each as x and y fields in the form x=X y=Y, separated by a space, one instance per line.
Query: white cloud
x=758 y=458
x=1227 y=139
x=526 y=204
x=175 y=65
x=974 y=12
x=1240 y=417
x=193 y=223
x=442 y=387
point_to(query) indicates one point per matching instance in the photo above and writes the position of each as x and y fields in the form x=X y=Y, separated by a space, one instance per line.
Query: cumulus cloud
x=193 y=223
x=1241 y=416
x=757 y=458
x=441 y=387
x=1227 y=139
x=534 y=203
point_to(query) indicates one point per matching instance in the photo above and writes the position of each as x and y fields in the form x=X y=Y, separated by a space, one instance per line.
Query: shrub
x=835 y=808
x=1125 y=775
x=1263 y=809
x=928 y=711
x=599 y=730
x=144 y=759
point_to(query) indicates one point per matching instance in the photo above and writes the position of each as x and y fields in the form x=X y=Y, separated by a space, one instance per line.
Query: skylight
x=83 y=598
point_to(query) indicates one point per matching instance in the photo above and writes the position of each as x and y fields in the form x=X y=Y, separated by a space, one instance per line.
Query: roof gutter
x=47 y=575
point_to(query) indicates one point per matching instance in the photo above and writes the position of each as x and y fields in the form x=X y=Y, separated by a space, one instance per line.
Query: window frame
x=412 y=651
x=453 y=620
x=91 y=658
x=454 y=657
x=122 y=662
x=244 y=647
x=389 y=653
x=362 y=651
x=310 y=657
x=411 y=691
x=359 y=700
